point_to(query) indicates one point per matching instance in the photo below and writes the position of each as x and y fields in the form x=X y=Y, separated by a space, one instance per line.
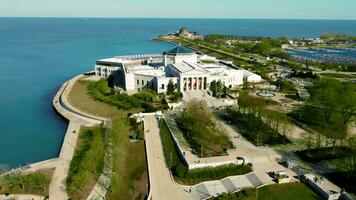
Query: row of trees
x=336 y=102
x=263 y=126
x=329 y=115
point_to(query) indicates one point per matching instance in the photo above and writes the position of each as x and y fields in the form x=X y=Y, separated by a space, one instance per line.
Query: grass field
x=130 y=170
x=336 y=75
x=34 y=183
x=84 y=170
x=288 y=191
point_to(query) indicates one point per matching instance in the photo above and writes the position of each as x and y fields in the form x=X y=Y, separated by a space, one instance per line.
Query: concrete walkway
x=162 y=185
x=76 y=118
x=21 y=197
x=57 y=189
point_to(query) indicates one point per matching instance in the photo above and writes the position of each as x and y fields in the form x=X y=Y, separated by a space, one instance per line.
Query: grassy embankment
x=84 y=170
x=34 y=183
x=190 y=177
x=129 y=161
x=290 y=191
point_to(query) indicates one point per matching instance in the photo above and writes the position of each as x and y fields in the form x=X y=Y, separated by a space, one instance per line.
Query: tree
x=347 y=104
x=225 y=91
x=213 y=88
x=171 y=88
x=351 y=160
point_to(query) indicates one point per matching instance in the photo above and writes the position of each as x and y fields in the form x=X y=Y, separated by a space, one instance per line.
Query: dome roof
x=178 y=50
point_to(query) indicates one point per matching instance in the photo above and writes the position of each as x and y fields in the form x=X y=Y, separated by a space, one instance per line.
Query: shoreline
x=76 y=119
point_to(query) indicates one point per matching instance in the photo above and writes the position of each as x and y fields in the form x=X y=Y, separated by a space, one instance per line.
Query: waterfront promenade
x=76 y=118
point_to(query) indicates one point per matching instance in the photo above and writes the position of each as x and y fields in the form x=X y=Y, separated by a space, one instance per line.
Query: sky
x=267 y=9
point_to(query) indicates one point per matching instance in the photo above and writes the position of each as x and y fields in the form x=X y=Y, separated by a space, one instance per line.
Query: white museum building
x=184 y=67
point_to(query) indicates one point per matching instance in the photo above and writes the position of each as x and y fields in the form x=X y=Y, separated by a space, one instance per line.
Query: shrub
x=146 y=99
x=195 y=176
x=181 y=170
x=327 y=153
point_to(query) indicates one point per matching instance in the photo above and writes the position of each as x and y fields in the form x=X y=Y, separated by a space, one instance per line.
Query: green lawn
x=288 y=191
x=34 y=183
x=130 y=169
x=84 y=170
x=337 y=75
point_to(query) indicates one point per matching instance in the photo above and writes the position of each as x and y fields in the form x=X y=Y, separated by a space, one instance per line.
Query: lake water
x=38 y=54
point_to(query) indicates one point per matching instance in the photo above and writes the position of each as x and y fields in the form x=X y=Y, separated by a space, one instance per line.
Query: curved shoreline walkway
x=76 y=118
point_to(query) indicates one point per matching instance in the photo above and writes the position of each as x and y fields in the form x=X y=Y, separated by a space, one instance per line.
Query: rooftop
x=147 y=70
x=190 y=68
x=178 y=50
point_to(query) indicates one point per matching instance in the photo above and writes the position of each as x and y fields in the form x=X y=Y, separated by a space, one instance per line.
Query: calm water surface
x=38 y=54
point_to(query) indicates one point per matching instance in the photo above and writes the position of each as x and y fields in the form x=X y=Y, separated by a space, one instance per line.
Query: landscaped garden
x=34 y=183
x=257 y=124
x=200 y=129
x=129 y=177
x=290 y=191
x=147 y=99
x=190 y=177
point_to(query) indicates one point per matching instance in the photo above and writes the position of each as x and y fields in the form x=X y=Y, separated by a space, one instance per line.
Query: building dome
x=178 y=50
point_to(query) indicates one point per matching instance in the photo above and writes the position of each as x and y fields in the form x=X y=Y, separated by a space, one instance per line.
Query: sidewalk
x=162 y=186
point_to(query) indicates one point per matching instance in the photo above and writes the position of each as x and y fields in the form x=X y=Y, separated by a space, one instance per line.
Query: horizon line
x=202 y=18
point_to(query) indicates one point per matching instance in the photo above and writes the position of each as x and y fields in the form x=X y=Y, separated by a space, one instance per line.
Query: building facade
x=182 y=66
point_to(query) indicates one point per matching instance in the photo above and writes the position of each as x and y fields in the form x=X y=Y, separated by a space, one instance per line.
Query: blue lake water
x=38 y=54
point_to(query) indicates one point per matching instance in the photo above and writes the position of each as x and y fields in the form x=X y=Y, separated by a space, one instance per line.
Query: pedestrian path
x=227 y=185
x=162 y=185
x=76 y=118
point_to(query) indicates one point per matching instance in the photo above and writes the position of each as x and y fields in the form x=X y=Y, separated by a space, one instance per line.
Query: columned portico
x=193 y=83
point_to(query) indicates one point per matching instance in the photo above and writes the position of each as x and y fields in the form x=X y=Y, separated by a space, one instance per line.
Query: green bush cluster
x=194 y=176
x=169 y=148
x=146 y=99
x=245 y=194
x=34 y=183
x=326 y=153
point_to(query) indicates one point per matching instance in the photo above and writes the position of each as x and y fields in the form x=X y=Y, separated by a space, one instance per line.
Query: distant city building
x=184 y=67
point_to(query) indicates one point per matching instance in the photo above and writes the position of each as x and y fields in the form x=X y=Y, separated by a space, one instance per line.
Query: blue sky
x=276 y=9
